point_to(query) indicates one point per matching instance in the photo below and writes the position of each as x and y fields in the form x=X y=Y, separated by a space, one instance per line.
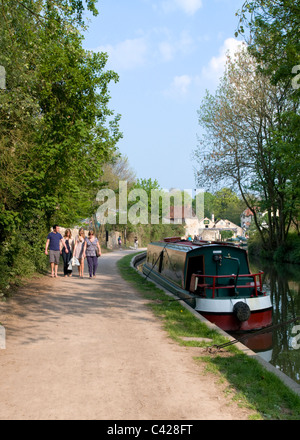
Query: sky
x=167 y=53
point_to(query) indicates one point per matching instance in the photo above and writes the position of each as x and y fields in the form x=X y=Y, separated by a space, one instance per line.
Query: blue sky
x=167 y=53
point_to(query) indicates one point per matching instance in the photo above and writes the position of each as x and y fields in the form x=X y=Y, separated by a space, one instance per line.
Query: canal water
x=281 y=346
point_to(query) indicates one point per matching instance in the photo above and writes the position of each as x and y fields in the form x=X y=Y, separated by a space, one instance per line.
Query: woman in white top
x=78 y=250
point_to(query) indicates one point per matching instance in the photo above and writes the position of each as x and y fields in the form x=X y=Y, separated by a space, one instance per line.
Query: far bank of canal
x=281 y=346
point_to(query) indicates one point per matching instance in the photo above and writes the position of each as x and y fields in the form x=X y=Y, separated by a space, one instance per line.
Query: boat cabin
x=209 y=270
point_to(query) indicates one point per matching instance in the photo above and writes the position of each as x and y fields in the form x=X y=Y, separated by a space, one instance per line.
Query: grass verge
x=249 y=383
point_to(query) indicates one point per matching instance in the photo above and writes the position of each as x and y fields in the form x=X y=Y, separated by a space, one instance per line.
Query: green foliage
x=22 y=253
x=224 y=204
x=274 y=32
x=288 y=252
x=251 y=148
x=274 y=42
x=156 y=232
x=225 y=235
x=56 y=129
x=152 y=232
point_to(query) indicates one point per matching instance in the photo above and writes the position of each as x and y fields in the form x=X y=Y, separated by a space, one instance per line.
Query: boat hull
x=220 y=312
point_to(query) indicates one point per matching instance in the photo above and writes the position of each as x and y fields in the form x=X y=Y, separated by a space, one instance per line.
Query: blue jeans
x=92 y=265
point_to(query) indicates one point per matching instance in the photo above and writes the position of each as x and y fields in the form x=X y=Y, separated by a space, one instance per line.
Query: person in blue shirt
x=54 y=243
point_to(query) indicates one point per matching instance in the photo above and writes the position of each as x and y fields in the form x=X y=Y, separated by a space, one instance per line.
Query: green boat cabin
x=207 y=270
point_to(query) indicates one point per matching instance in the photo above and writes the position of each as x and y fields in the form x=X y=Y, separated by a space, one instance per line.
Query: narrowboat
x=214 y=279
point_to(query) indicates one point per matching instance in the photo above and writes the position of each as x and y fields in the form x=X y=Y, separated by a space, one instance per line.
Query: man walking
x=54 y=239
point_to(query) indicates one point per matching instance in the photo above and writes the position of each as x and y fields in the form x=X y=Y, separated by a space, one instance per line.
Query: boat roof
x=188 y=246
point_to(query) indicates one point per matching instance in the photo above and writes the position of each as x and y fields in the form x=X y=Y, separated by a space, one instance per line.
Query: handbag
x=97 y=249
x=75 y=261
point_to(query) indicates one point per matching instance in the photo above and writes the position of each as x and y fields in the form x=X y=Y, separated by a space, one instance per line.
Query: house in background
x=246 y=219
x=204 y=229
x=187 y=217
x=226 y=225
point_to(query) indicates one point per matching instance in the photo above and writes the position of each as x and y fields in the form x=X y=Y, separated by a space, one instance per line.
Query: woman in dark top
x=67 y=256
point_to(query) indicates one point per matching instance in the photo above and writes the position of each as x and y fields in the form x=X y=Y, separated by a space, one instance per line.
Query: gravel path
x=91 y=349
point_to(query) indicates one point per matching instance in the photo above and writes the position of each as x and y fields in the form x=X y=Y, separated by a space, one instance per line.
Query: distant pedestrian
x=92 y=251
x=119 y=242
x=78 y=250
x=54 y=243
x=67 y=256
x=136 y=243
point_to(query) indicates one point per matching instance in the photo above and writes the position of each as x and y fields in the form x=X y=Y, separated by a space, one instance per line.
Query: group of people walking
x=73 y=250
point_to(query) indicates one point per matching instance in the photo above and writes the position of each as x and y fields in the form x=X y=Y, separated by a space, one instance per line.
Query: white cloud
x=128 y=54
x=166 y=50
x=170 y=47
x=156 y=45
x=215 y=68
x=185 y=85
x=190 y=7
x=185 y=43
x=179 y=87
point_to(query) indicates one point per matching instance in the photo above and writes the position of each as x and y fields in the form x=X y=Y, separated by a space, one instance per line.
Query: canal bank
x=90 y=349
x=292 y=385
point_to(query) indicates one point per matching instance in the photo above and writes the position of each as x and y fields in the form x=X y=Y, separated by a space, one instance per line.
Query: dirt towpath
x=91 y=349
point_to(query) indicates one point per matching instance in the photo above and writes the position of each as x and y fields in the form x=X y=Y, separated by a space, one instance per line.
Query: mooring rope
x=216 y=347
x=153 y=265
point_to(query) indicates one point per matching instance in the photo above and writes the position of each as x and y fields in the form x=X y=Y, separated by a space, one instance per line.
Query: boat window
x=195 y=265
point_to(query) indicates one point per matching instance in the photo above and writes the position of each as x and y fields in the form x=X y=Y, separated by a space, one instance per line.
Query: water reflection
x=281 y=347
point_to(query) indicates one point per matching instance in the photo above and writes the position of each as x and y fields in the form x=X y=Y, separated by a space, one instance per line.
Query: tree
x=243 y=144
x=228 y=206
x=223 y=204
x=55 y=117
x=56 y=128
x=155 y=231
x=274 y=42
x=274 y=35
x=208 y=204
x=118 y=168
